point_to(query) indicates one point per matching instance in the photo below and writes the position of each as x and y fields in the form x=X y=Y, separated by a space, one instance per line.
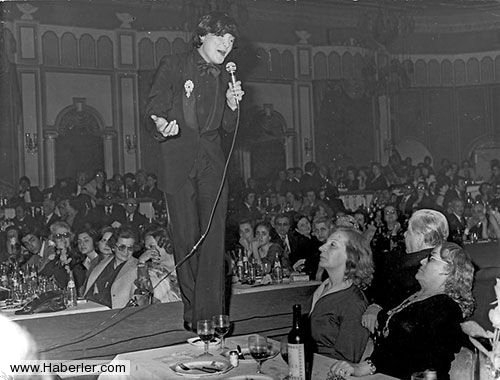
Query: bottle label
x=296 y=361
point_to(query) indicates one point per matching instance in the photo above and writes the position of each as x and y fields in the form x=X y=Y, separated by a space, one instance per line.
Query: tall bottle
x=71 y=296
x=277 y=270
x=144 y=291
x=296 y=350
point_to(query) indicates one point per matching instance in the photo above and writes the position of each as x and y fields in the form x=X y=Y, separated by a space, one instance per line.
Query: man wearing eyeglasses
x=111 y=282
x=427 y=229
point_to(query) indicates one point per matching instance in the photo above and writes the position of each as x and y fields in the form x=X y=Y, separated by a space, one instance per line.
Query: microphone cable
x=95 y=331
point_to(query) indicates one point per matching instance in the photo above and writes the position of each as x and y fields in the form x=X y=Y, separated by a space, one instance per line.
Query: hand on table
x=167 y=129
x=345 y=369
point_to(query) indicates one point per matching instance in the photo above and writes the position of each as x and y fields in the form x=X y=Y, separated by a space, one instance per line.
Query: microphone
x=231 y=69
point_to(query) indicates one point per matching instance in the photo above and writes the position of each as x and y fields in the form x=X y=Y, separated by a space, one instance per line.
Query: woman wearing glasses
x=111 y=283
x=65 y=257
x=423 y=332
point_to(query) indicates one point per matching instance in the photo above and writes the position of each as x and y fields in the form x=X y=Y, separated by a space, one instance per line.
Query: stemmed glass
x=221 y=325
x=261 y=350
x=205 y=330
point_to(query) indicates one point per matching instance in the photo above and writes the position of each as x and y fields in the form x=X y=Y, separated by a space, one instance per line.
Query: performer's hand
x=234 y=94
x=164 y=127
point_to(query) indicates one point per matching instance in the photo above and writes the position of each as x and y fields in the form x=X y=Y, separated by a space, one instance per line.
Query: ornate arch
x=79 y=119
x=264 y=125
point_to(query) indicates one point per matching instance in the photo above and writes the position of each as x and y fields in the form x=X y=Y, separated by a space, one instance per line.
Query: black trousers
x=201 y=278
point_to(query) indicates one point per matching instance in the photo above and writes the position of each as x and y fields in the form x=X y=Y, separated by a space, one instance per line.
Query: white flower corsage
x=188 y=86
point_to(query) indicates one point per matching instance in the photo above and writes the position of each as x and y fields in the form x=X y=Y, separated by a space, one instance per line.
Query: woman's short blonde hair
x=359 y=266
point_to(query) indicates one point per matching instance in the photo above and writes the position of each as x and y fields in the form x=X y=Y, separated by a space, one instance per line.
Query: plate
x=244 y=350
x=197 y=342
x=180 y=368
x=252 y=377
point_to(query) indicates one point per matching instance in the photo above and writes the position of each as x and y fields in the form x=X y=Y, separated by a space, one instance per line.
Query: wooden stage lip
x=104 y=334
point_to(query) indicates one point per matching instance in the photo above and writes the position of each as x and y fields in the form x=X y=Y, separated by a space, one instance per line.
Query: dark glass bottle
x=296 y=347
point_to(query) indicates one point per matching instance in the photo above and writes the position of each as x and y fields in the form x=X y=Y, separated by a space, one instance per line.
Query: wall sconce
x=131 y=143
x=31 y=143
x=307 y=146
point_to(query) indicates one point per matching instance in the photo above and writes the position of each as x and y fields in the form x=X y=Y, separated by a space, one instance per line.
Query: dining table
x=157 y=364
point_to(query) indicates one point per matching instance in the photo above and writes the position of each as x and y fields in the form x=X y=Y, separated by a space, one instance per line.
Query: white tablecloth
x=154 y=364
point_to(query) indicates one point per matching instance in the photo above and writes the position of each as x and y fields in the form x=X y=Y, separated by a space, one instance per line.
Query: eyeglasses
x=131 y=204
x=390 y=212
x=421 y=188
x=436 y=258
x=123 y=248
x=62 y=236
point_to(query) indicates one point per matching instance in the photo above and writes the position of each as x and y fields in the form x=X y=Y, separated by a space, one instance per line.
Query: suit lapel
x=96 y=272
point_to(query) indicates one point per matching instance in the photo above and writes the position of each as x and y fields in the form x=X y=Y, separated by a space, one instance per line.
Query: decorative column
x=289 y=147
x=108 y=136
x=384 y=129
x=50 y=157
x=303 y=102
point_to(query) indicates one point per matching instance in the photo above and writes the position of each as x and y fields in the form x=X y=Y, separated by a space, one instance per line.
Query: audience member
x=427 y=229
x=65 y=258
x=111 y=283
x=159 y=258
x=423 y=332
x=338 y=303
x=28 y=193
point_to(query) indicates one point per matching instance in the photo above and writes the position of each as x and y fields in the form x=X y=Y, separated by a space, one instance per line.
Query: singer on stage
x=191 y=99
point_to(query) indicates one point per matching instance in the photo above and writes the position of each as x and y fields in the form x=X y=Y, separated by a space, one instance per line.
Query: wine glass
x=221 y=326
x=260 y=349
x=284 y=353
x=205 y=330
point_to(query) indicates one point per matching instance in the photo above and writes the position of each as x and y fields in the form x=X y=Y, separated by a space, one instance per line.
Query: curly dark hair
x=218 y=23
x=458 y=285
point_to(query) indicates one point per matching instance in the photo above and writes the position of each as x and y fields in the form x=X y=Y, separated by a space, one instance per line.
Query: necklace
x=414 y=298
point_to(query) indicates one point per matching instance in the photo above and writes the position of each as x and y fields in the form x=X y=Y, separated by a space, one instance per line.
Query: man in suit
x=23 y=220
x=28 y=193
x=48 y=217
x=456 y=221
x=133 y=217
x=111 y=283
x=191 y=100
x=109 y=213
x=38 y=248
x=311 y=178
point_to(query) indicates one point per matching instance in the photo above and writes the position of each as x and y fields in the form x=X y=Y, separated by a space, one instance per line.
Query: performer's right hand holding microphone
x=234 y=93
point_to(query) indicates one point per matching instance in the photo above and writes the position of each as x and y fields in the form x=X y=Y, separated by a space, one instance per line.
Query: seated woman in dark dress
x=338 y=304
x=423 y=332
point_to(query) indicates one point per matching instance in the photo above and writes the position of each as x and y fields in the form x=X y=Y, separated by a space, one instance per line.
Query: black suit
x=396 y=281
x=137 y=221
x=106 y=215
x=46 y=223
x=193 y=163
x=456 y=226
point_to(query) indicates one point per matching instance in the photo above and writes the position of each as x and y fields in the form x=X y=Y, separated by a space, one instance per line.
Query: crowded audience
x=393 y=261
